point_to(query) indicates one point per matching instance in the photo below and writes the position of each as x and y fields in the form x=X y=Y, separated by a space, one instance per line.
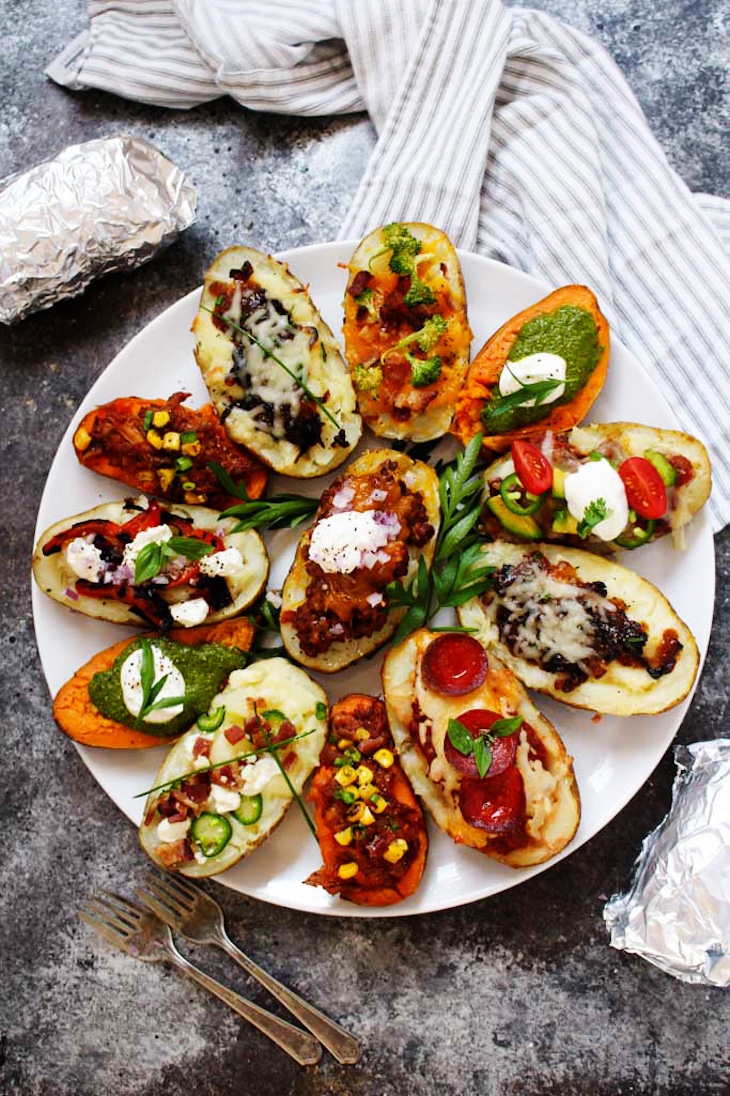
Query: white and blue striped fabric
x=510 y=130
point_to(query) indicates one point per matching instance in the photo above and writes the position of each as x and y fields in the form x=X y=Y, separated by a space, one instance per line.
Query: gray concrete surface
x=519 y=994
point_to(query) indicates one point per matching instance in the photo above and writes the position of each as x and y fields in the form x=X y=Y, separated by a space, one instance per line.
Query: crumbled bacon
x=234 y=734
x=201 y=747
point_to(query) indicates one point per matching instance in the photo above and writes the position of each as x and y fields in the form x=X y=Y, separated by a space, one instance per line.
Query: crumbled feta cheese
x=593 y=481
x=274 y=598
x=530 y=370
x=226 y=563
x=190 y=613
x=157 y=535
x=169 y=832
x=255 y=777
x=221 y=800
x=343 y=542
x=84 y=559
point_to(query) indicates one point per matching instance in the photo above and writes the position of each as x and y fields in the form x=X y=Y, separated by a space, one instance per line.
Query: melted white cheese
x=227 y=563
x=190 y=613
x=84 y=559
x=158 y=535
x=529 y=370
x=131 y=683
x=595 y=480
x=169 y=832
x=345 y=541
x=540 y=787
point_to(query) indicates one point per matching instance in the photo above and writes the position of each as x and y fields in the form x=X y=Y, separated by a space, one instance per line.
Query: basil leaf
x=504 y=727
x=482 y=756
x=148 y=563
x=190 y=547
x=459 y=737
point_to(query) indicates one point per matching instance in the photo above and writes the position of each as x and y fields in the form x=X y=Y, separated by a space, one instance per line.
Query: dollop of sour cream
x=339 y=542
x=530 y=370
x=598 y=480
x=131 y=682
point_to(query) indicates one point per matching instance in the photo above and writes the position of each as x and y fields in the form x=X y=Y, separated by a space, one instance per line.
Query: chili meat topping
x=547 y=615
x=340 y=607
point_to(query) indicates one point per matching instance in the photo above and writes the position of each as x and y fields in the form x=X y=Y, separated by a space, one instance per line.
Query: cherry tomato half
x=533 y=467
x=645 y=488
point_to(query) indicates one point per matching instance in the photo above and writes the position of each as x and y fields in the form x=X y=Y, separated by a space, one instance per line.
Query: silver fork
x=145 y=937
x=198 y=917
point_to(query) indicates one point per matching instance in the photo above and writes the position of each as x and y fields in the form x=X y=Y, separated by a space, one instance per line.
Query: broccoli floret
x=419 y=293
x=401 y=263
x=424 y=371
x=368 y=380
x=401 y=240
x=428 y=335
x=365 y=300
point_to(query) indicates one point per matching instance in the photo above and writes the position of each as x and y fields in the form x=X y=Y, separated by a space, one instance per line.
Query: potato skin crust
x=340 y=655
x=501 y=691
x=358 y=704
x=435 y=420
x=54 y=577
x=77 y=717
x=326 y=369
x=484 y=373
x=623 y=690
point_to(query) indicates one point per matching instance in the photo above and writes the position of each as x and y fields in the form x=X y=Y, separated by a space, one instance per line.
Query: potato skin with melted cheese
x=419 y=720
x=378 y=882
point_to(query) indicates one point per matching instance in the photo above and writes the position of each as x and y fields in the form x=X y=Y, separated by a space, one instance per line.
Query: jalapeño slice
x=250 y=809
x=511 y=490
x=212 y=832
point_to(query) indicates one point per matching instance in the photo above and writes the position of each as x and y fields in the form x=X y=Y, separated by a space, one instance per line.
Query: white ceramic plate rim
x=65 y=477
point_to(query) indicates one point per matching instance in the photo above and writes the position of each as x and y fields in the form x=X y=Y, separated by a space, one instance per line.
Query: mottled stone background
x=518 y=994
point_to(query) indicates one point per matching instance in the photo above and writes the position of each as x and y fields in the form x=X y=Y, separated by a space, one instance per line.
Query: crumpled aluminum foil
x=109 y=204
x=677 y=913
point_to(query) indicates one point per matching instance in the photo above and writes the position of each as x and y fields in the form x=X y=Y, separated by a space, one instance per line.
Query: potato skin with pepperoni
x=419 y=717
x=378 y=882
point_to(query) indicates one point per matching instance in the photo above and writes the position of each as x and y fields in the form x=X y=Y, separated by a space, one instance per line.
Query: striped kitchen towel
x=510 y=130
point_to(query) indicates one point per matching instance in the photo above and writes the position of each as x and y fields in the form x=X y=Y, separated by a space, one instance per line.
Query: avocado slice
x=522 y=525
x=564 y=523
x=558 y=483
x=663 y=467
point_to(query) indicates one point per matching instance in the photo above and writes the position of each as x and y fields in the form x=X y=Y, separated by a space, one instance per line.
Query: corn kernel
x=367 y=791
x=349 y=795
x=367 y=817
x=154 y=439
x=361 y=734
x=165 y=476
x=145 y=477
x=343 y=743
x=171 y=441
x=82 y=439
x=378 y=803
x=195 y=500
x=345 y=776
x=396 y=850
x=347 y=871
x=364 y=775
x=344 y=837
x=191 y=448
x=354 y=814
x=384 y=758
x=160 y=418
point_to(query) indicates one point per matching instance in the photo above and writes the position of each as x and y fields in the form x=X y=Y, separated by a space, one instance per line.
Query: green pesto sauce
x=204 y=668
x=568 y=331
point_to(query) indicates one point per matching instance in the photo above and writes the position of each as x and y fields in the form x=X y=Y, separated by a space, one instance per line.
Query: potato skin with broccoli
x=407 y=336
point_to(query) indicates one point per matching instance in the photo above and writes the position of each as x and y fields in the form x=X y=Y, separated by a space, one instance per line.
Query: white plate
x=612 y=759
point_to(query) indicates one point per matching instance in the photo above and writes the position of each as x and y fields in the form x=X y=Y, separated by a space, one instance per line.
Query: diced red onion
x=344 y=497
x=71 y=594
x=378 y=495
x=374 y=599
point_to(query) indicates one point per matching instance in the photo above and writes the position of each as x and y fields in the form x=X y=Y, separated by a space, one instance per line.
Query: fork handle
x=343 y=1046
x=298 y=1045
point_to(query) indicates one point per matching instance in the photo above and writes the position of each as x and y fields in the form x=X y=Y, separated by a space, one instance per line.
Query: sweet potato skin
x=77 y=717
x=136 y=468
x=484 y=372
x=357 y=705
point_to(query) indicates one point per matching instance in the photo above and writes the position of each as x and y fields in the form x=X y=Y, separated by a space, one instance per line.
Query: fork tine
x=173 y=890
x=126 y=905
x=170 y=900
x=103 y=929
x=163 y=912
x=109 y=919
x=131 y=918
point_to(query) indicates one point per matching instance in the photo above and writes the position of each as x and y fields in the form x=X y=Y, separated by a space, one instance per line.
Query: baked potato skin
x=501 y=691
x=54 y=577
x=633 y=439
x=623 y=690
x=359 y=709
x=79 y=719
x=435 y=420
x=343 y=654
x=484 y=373
x=326 y=370
x=281 y=686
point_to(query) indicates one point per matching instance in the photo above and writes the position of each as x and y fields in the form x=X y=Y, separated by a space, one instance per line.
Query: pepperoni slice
x=454 y=664
x=503 y=747
x=496 y=805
